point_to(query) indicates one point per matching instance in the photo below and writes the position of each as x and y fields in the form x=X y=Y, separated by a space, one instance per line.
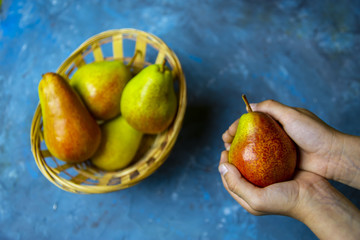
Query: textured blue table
x=302 y=53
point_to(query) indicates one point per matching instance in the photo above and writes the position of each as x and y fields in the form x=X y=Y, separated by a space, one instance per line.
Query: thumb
x=236 y=183
x=278 y=198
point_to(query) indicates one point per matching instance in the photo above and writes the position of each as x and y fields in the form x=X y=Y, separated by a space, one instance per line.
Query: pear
x=71 y=134
x=261 y=150
x=119 y=145
x=148 y=102
x=100 y=85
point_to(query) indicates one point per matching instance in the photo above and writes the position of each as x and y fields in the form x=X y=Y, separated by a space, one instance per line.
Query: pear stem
x=162 y=66
x=248 y=108
x=133 y=58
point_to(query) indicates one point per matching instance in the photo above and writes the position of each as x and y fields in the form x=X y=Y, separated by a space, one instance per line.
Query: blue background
x=302 y=53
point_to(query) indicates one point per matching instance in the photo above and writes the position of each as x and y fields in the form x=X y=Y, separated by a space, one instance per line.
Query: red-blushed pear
x=71 y=134
x=261 y=150
x=100 y=85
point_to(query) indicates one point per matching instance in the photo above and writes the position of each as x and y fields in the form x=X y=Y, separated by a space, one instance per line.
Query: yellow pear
x=118 y=146
x=148 y=101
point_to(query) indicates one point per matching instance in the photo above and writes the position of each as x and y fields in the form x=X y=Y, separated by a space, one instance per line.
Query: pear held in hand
x=119 y=144
x=148 y=102
x=261 y=149
x=100 y=85
x=71 y=134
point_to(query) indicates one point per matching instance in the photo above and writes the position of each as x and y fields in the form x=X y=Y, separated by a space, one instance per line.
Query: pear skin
x=261 y=150
x=148 y=102
x=100 y=85
x=71 y=133
x=119 y=145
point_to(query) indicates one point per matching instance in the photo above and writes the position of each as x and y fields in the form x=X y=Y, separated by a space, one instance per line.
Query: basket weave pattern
x=84 y=177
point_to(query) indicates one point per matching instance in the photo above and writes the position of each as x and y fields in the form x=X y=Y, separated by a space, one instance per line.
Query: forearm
x=348 y=166
x=331 y=216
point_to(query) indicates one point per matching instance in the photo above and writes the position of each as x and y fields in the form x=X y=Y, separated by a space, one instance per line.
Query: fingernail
x=253 y=105
x=227 y=146
x=223 y=169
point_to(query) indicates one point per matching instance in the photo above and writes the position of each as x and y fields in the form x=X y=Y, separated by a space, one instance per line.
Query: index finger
x=278 y=111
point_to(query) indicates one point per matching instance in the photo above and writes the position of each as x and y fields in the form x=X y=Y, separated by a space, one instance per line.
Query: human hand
x=285 y=198
x=321 y=148
x=309 y=198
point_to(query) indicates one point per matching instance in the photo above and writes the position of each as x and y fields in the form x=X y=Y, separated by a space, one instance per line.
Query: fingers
x=224 y=157
x=235 y=184
x=224 y=167
x=229 y=134
x=279 y=111
x=240 y=200
x=238 y=185
x=283 y=113
x=309 y=114
x=279 y=198
x=223 y=170
x=233 y=127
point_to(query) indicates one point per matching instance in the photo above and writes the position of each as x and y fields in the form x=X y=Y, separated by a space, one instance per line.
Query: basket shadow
x=193 y=135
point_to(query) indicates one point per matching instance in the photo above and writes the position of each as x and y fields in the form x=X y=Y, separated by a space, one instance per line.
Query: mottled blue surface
x=302 y=53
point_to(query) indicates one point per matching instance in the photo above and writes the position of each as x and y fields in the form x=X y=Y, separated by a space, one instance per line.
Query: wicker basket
x=84 y=177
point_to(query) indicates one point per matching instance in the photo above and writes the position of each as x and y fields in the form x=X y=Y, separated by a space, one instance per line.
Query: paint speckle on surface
x=227 y=211
x=174 y=196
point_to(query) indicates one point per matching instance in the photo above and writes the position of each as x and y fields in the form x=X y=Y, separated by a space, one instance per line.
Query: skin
x=272 y=159
x=324 y=153
x=119 y=144
x=71 y=134
x=100 y=85
x=149 y=102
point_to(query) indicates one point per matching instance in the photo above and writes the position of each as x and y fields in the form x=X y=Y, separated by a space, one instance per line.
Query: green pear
x=148 y=102
x=71 y=134
x=261 y=149
x=100 y=85
x=118 y=146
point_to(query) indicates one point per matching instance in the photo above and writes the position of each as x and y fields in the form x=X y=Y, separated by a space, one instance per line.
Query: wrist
x=348 y=162
x=329 y=214
x=310 y=203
